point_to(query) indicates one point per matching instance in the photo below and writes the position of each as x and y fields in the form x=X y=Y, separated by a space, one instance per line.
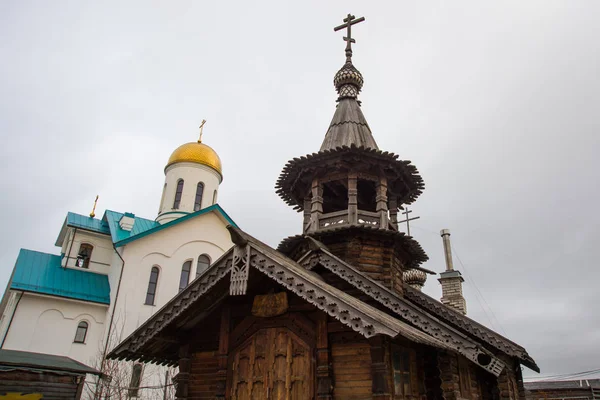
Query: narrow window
x=203 y=264
x=401 y=365
x=84 y=256
x=215 y=197
x=185 y=275
x=151 y=293
x=136 y=378
x=81 y=332
x=198 y=201
x=178 y=193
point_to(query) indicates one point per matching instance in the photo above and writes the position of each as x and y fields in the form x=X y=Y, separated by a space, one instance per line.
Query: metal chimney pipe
x=445 y=233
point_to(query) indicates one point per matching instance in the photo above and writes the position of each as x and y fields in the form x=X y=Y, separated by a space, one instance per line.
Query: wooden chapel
x=330 y=314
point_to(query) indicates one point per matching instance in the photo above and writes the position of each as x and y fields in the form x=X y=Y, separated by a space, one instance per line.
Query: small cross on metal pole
x=407 y=220
x=348 y=22
x=201 y=129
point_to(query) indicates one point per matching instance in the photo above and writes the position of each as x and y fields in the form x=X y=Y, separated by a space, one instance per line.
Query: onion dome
x=196 y=152
x=414 y=278
x=348 y=81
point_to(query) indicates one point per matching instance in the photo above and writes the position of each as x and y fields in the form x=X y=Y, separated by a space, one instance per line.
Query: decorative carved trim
x=175 y=307
x=401 y=307
x=323 y=296
x=470 y=326
x=240 y=270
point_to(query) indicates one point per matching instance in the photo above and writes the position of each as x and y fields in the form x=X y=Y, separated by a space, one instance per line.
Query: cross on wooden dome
x=348 y=22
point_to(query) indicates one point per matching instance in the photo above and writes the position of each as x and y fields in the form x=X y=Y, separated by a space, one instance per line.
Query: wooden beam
x=324 y=370
x=223 y=352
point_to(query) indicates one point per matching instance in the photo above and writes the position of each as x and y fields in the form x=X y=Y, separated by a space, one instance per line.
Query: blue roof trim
x=214 y=207
x=42 y=273
x=88 y=223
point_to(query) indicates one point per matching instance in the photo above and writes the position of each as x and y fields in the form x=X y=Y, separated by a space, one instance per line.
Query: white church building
x=114 y=272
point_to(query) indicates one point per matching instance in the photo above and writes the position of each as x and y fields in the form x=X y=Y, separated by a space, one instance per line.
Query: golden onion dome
x=196 y=152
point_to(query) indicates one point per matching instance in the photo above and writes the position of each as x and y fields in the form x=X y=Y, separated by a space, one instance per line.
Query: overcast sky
x=496 y=104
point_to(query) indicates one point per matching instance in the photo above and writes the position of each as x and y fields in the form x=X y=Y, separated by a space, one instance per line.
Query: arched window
x=215 y=197
x=81 y=332
x=185 y=275
x=203 y=264
x=136 y=379
x=84 y=256
x=151 y=293
x=198 y=201
x=178 y=193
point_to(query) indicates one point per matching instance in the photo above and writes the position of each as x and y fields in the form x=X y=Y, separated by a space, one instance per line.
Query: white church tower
x=192 y=178
x=112 y=273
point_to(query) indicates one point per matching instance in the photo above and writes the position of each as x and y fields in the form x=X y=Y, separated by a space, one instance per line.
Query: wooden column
x=324 y=370
x=393 y=205
x=380 y=369
x=316 y=208
x=449 y=374
x=223 y=352
x=183 y=377
x=352 y=199
x=381 y=199
x=306 y=212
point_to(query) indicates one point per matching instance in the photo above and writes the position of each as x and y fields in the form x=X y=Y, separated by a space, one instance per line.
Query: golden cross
x=93 y=213
x=201 y=128
x=348 y=22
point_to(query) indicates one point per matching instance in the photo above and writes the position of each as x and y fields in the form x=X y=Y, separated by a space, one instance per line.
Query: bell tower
x=350 y=191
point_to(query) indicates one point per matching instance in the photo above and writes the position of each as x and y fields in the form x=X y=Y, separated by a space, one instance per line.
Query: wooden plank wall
x=351 y=370
x=203 y=376
x=52 y=386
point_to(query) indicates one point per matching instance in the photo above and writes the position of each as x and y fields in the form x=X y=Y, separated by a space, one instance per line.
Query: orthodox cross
x=407 y=220
x=348 y=22
x=93 y=213
x=201 y=128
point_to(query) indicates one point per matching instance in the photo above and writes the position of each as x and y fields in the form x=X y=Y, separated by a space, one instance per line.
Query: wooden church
x=335 y=312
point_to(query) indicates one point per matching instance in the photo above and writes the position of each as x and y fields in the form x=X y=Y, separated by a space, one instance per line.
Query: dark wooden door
x=272 y=364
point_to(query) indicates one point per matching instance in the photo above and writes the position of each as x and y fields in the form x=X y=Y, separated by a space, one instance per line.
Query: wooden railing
x=369 y=218
x=334 y=219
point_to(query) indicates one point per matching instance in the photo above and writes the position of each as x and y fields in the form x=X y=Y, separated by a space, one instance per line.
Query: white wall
x=191 y=173
x=168 y=249
x=47 y=324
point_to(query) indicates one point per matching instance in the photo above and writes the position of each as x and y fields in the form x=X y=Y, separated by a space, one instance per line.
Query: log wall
x=203 y=377
x=52 y=386
x=351 y=370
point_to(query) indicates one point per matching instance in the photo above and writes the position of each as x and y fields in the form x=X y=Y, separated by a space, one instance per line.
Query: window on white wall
x=185 y=275
x=203 y=264
x=84 y=256
x=81 y=332
x=151 y=292
x=215 y=197
x=136 y=379
x=178 y=194
x=199 y=192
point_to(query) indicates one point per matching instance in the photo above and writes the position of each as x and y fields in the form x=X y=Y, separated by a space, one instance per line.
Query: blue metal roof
x=117 y=234
x=88 y=223
x=42 y=273
x=157 y=227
